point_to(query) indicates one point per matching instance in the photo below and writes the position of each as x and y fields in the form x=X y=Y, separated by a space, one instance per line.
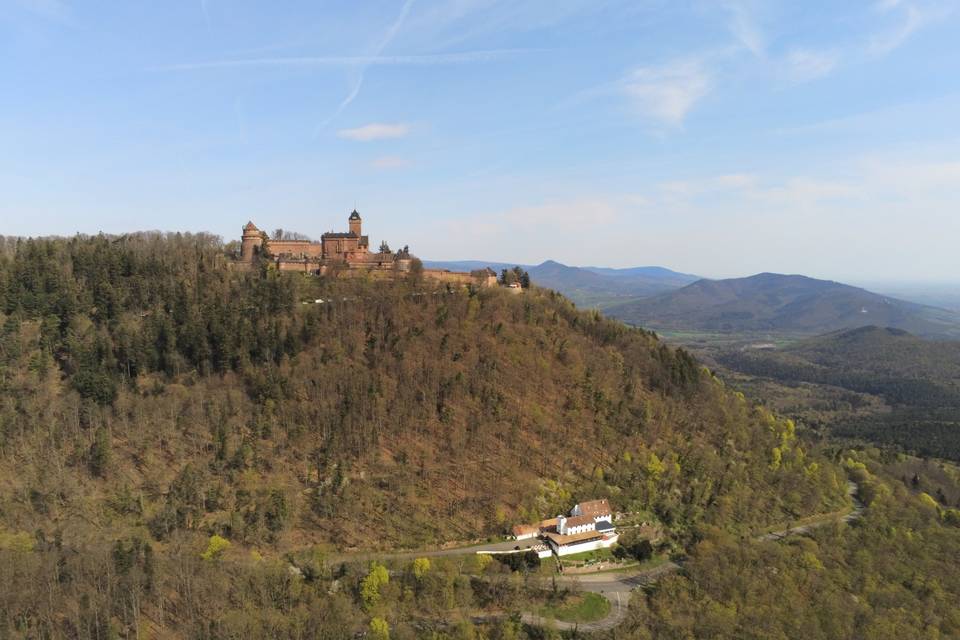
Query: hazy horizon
x=719 y=139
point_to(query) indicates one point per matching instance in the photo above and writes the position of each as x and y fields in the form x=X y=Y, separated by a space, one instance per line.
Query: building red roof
x=594 y=508
x=525 y=529
x=576 y=538
x=576 y=521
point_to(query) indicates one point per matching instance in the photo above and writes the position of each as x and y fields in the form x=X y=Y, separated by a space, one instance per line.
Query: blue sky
x=721 y=138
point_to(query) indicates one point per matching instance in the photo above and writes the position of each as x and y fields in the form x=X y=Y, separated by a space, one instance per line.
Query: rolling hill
x=182 y=443
x=897 y=388
x=193 y=451
x=588 y=286
x=776 y=303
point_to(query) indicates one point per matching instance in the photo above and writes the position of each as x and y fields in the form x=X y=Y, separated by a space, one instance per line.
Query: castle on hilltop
x=347 y=252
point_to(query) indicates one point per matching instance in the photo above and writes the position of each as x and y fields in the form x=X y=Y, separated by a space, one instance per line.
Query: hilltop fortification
x=347 y=252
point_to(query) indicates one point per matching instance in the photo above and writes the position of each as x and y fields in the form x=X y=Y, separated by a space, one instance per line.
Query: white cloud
x=666 y=94
x=690 y=188
x=447 y=24
x=744 y=26
x=887 y=5
x=912 y=16
x=806 y=64
x=753 y=189
x=563 y=221
x=912 y=20
x=346 y=61
x=390 y=162
x=375 y=131
x=914 y=179
x=357 y=80
x=52 y=9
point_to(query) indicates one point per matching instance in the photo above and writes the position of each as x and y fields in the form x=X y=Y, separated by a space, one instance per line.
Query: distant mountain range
x=782 y=303
x=587 y=286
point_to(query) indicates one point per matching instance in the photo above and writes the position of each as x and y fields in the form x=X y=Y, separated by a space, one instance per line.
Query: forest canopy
x=168 y=424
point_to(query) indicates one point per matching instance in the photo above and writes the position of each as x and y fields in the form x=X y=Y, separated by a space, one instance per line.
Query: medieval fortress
x=345 y=253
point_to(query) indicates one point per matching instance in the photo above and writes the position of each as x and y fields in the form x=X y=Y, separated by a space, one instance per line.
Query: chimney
x=562 y=525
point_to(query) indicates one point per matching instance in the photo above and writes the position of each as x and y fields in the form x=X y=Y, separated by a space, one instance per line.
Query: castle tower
x=355 y=223
x=250 y=242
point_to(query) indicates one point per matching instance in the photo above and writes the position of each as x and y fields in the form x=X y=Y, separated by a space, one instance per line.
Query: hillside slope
x=154 y=403
x=771 y=302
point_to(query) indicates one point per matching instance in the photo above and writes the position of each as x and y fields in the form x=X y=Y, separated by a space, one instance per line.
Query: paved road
x=494 y=547
x=615 y=587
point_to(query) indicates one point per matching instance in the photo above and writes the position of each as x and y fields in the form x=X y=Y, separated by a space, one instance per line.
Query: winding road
x=615 y=587
x=618 y=588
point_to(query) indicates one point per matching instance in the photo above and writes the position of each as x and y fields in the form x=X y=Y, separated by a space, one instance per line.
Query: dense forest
x=916 y=381
x=184 y=446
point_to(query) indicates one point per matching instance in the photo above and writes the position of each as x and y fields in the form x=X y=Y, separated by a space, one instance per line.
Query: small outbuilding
x=525 y=531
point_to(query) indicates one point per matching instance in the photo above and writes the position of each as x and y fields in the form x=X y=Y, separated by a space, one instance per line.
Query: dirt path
x=854 y=514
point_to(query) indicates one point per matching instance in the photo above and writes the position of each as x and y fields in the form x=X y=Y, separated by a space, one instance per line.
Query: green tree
x=421 y=566
x=99 y=459
x=379 y=629
x=416 y=270
x=370 y=587
x=216 y=546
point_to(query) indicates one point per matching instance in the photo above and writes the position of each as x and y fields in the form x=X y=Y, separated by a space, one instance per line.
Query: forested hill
x=773 y=302
x=151 y=397
x=919 y=380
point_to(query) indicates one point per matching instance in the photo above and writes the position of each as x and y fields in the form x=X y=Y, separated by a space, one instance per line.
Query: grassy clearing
x=635 y=567
x=586 y=607
x=597 y=555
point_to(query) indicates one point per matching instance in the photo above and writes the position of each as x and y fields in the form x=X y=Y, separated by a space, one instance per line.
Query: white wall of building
x=564 y=529
x=593 y=545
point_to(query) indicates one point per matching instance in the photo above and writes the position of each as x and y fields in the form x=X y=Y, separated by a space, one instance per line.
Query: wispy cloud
x=912 y=19
x=745 y=26
x=452 y=23
x=346 y=61
x=375 y=131
x=666 y=94
x=390 y=163
x=808 y=64
x=51 y=9
x=360 y=71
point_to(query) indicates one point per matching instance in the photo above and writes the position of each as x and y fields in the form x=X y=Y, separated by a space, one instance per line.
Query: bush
x=526 y=561
x=379 y=629
x=215 y=548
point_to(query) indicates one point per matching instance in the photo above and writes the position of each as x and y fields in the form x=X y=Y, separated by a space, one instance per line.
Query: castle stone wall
x=295 y=248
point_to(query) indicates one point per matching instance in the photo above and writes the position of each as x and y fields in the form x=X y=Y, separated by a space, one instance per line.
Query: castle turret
x=355 y=223
x=250 y=242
